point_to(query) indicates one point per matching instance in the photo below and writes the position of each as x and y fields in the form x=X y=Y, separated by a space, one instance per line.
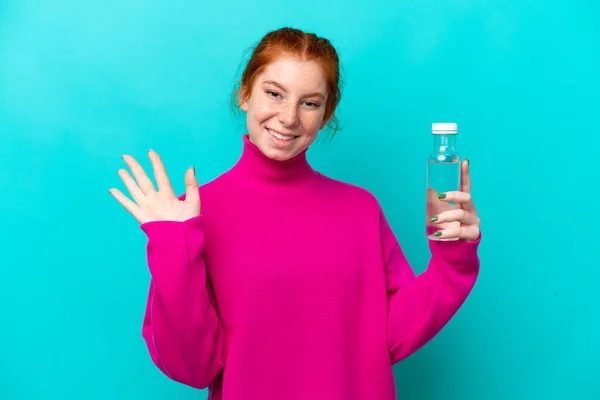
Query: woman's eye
x=276 y=95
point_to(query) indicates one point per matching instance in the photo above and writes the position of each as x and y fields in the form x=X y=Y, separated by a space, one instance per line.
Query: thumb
x=191 y=186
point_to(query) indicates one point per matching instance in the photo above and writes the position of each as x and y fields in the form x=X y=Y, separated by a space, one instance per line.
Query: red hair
x=304 y=46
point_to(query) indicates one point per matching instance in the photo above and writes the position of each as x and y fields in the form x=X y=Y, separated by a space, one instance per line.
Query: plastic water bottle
x=443 y=175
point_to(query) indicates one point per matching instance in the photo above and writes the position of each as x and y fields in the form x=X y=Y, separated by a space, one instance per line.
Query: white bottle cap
x=444 y=128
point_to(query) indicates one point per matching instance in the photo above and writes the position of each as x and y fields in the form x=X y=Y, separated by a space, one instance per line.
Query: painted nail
x=441 y=196
x=434 y=218
x=438 y=233
x=194 y=170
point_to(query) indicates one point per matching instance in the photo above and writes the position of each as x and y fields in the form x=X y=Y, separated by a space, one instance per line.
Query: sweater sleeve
x=181 y=327
x=420 y=306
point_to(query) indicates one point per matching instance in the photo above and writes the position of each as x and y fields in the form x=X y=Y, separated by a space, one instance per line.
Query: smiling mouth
x=281 y=136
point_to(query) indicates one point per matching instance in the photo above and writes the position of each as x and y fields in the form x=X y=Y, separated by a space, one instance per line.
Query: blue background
x=83 y=82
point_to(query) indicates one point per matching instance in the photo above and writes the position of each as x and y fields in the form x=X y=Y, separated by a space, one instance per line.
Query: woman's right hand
x=162 y=205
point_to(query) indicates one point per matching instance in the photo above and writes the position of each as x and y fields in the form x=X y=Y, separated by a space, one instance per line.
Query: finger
x=465 y=177
x=467 y=233
x=160 y=174
x=462 y=198
x=466 y=186
x=140 y=175
x=460 y=215
x=192 y=193
x=449 y=232
x=129 y=205
x=134 y=190
x=455 y=196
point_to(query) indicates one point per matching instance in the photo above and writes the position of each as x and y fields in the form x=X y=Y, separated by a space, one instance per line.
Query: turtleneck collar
x=255 y=169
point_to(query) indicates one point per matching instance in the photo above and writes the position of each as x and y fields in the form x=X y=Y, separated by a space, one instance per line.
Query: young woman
x=274 y=281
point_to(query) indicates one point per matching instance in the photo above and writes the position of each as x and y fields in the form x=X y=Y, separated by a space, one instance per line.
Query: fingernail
x=149 y=150
x=438 y=233
x=441 y=196
x=194 y=170
x=434 y=218
x=468 y=161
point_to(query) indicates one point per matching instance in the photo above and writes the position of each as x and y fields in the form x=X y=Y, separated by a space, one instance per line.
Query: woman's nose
x=289 y=116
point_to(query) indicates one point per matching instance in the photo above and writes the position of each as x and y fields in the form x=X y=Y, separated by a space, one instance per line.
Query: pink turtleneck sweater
x=291 y=285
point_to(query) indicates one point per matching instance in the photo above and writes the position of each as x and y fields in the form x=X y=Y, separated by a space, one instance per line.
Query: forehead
x=296 y=75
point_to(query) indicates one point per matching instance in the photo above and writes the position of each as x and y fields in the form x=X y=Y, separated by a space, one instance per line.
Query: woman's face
x=286 y=107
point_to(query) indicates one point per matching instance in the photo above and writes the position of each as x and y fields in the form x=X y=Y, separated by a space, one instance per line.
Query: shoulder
x=351 y=194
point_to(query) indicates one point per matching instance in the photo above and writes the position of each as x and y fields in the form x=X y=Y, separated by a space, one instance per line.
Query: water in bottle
x=443 y=175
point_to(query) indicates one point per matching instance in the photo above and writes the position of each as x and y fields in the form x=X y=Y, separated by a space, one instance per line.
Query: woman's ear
x=243 y=99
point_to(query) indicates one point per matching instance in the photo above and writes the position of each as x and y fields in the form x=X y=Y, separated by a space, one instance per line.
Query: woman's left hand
x=461 y=221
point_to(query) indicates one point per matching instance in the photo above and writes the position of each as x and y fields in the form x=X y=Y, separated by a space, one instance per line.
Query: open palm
x=151 y=205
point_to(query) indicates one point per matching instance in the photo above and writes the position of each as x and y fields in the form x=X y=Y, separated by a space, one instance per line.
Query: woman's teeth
x=280 y=136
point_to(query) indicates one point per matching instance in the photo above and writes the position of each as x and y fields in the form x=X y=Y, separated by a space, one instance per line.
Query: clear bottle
x=443 y=175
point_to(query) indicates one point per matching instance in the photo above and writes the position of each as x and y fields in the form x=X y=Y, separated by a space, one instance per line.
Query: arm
x=420 y=306
x=181 y=327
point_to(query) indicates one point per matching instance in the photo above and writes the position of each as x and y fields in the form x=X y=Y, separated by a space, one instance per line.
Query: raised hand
x=461 y=221
x=152 y=205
